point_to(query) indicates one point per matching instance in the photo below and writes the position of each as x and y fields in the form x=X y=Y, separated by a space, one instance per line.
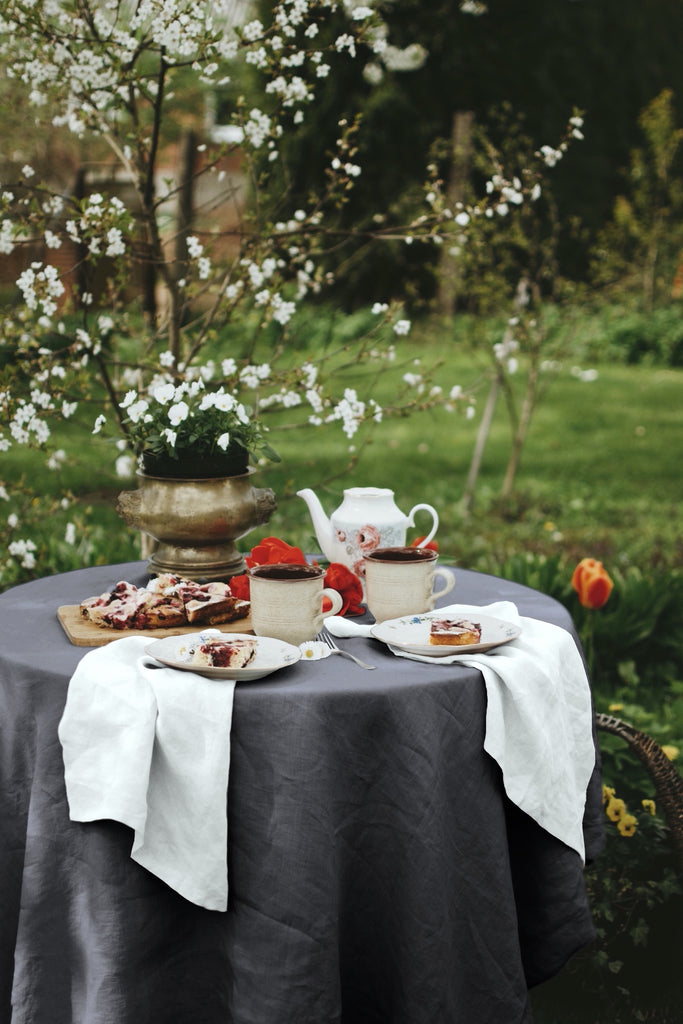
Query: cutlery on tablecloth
x=326 y=638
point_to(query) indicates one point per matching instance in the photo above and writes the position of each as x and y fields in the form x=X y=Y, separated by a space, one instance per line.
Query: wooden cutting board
x=83 y=633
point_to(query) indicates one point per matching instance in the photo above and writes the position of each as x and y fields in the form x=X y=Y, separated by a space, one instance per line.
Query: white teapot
x=367 y=518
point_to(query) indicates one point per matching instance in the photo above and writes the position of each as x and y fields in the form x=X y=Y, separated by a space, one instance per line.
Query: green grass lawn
x=600 y=473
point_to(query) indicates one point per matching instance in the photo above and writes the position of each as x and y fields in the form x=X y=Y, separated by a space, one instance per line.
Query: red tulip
x=272 y=550
x=239 y=587
x=592 y=583
x=339 y=578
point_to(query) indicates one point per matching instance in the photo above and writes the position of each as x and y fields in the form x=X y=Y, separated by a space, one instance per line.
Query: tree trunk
x=83 y=271
x=449 y=270
x=480 y=445
x=521 y=432
x=185 y=200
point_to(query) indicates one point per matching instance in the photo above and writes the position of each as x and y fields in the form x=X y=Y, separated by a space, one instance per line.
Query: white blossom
x=224 y=402
x=350 y=410
x=137 y=410
x=128 y=400
x=164 y=393
x=23 y=550
x=550 y=156
x=115 y=243
x=124 y=466
x=253 y=30
x=177 y=413
x=257 y=128
x=6 y=237
x=252 y=375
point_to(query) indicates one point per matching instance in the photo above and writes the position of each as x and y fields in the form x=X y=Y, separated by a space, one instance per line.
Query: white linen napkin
x=150 y=747
x=539 y=718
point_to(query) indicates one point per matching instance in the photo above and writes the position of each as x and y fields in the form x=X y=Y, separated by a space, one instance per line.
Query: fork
x=328 y=639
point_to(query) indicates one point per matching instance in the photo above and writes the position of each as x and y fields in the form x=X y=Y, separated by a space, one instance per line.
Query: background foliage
x=610 y=59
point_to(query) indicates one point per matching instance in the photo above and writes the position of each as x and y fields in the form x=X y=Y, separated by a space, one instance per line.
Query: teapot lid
x=368 y=492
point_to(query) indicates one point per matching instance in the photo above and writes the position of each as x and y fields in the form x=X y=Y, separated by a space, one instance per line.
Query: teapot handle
x=435 y=524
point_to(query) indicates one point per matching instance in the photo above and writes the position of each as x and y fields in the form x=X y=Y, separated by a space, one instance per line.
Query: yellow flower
x=649 y=805
x=615 y=809
x=671 y=752
x=616 y=707
x=626 y=825
x=607 y=793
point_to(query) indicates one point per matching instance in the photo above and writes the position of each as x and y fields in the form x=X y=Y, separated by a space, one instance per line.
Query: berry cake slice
x=165 y=603
x=223 y=653
x=454 y=632
x=127 y=607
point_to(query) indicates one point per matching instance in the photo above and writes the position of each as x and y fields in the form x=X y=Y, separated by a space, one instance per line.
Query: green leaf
x=639 y=933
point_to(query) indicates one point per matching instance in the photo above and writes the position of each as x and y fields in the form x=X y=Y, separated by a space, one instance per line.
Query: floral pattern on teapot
x=360 y=542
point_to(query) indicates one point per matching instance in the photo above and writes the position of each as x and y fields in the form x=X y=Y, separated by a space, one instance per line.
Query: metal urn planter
x=194 y=522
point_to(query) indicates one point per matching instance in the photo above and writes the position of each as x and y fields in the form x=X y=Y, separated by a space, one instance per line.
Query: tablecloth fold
x=149 y=746
x=539 y=718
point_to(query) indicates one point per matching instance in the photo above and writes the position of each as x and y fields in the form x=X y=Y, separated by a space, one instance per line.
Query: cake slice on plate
x=454 y=632
x=223 y=652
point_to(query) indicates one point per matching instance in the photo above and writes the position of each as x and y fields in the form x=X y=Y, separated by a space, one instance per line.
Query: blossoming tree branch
x=112 y=75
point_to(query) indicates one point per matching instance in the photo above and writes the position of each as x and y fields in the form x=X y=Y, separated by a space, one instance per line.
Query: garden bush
x=630 y=972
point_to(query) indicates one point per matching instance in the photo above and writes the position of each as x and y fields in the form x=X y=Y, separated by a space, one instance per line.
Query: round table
x=378 y=874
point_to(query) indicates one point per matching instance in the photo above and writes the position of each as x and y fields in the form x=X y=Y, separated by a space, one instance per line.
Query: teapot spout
x=321 y=524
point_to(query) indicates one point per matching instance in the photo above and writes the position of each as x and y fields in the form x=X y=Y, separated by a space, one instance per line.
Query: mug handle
x=336 y=599
x=449 y=576
x=435 y=523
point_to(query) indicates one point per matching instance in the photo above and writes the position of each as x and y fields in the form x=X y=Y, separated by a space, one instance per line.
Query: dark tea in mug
x=402 y=555
x=286 y=571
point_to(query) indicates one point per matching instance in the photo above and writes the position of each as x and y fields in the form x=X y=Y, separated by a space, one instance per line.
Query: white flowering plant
x=191 y=419
x=112 y=76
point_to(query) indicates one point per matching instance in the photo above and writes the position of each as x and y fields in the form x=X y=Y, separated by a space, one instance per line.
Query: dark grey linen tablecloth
x=378 y=874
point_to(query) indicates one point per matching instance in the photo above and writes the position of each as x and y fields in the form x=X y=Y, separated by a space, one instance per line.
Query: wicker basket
x=667 y=780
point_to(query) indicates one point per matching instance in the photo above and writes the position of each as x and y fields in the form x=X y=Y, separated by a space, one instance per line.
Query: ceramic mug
x=400 y=581
x=287 y=601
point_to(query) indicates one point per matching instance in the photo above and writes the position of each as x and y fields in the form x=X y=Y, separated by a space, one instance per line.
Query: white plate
x=411 y=633
x=271 y=655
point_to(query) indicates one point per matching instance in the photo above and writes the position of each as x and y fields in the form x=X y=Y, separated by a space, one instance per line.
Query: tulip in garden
x=592 y=583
